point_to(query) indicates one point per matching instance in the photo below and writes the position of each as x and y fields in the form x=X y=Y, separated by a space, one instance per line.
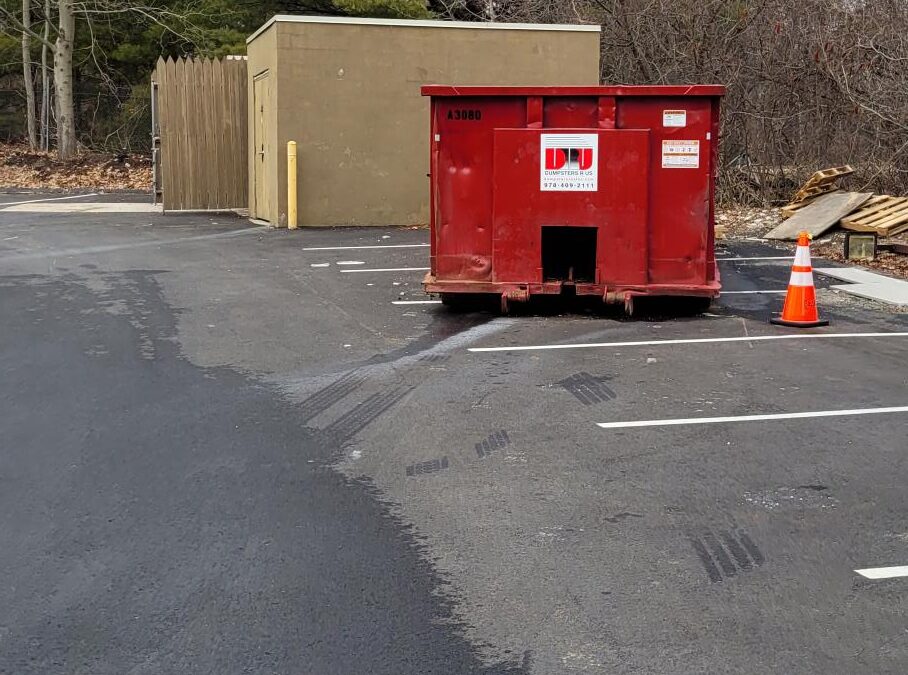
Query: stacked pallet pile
x=820 y=205
x=883 y=214
x=821 y=183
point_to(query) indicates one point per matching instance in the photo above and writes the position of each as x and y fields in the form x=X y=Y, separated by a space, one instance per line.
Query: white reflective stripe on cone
x=802 y=256
x=801 y=279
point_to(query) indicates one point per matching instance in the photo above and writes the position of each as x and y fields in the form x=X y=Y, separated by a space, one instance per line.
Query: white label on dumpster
x=569 y=163
x=680 y=154
x=674 y=118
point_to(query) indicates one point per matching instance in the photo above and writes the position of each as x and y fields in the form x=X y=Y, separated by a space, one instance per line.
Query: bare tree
x=63 y=79
x=45 y=80
x=28 y=75
x=811 y=83
x=62 y=49
x=180 y=24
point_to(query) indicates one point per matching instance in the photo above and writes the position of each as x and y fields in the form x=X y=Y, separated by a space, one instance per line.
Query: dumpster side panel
x=681 y=183
x=570 y=112
x=617 y=208
x=464 y=129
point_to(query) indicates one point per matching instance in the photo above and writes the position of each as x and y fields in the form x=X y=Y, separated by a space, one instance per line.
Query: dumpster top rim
x=624 y=90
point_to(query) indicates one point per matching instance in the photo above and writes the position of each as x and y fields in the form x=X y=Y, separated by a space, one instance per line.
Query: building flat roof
x=290 y=18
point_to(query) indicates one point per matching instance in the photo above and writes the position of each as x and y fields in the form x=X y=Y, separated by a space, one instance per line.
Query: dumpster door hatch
x=585 y=220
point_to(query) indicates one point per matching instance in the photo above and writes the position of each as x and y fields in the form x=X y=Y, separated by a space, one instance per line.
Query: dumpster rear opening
x=569 y=253
x=605 y=191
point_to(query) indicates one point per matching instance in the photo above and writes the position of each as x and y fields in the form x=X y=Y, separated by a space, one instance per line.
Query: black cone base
x=797 y=324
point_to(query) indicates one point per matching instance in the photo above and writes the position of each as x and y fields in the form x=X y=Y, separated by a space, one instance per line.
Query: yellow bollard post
x=291 y=185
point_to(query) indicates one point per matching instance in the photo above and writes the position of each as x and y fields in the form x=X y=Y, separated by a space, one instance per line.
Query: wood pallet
x=882 y=214
x=822 y=182
x=820 y=215
x=790 y=209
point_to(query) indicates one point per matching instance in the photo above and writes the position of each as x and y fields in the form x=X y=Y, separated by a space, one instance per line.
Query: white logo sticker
x=569 y=163
x=680 y=154
x=674 y=118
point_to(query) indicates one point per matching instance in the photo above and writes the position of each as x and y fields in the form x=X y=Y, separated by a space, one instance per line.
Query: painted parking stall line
x=764 y=257
x=47 y=199
x=884 y=572
x=751 y=418
x=687 y=341
x=389 y=269
x=358 y=248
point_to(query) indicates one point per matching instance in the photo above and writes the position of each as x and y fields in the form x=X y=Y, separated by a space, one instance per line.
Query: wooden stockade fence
x=200 y=124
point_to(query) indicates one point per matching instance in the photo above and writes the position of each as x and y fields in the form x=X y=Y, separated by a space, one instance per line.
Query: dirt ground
x=893 y=264
x=26 y=169
x=744 y=222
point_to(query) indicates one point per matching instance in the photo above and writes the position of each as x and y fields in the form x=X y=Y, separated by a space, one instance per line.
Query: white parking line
x=686 y=341
x=356 y=248
x=47 y=199
x=416 y=302
x=350 y=262
x=765 y=257
x=750 y=418
x=319 y=264
x=884 y=572
x=749 y=292
x=392 y=269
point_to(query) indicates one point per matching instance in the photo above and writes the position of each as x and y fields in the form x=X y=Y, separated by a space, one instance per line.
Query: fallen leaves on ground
x=28 y=169
x=746 y=221
x=893 y=264
x=739 y=222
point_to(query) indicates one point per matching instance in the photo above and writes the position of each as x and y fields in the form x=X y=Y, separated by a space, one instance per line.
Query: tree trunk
x=28 y=76
x=63 y=80
x=45 y=82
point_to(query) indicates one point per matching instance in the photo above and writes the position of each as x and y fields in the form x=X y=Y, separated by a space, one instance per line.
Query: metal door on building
x=261 y=165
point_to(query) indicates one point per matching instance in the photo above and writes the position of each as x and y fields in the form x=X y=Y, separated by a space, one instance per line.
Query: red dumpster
x=604 y=191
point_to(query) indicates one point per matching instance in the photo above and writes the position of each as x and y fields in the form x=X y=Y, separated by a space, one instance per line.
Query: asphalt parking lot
x=233 y=449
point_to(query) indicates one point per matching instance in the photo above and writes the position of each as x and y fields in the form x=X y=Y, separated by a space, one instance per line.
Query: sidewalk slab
x=867 y=284
x=83 y=207
x=892 y=293
x=855 y=275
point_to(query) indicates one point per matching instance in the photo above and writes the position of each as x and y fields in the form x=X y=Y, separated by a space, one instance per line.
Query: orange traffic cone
x=800 y=308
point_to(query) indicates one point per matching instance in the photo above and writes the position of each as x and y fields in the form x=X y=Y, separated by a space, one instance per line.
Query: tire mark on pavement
x=495 y=441
x=725 y=553
x=587 y=388
x=333 y=393
x=363 y=414
x=431 y=466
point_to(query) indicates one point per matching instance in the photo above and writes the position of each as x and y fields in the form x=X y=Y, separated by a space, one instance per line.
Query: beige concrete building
x=347 y=91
